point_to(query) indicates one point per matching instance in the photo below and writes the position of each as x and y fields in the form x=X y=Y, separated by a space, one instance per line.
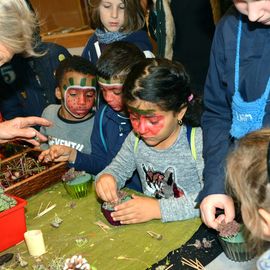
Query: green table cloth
x=123 y=247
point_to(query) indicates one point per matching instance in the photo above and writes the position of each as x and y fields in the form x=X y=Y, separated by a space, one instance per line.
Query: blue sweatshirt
x=219 y=89
x=138 y=38
x=115 y=129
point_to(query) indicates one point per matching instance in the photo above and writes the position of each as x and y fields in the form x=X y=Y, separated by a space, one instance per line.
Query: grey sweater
x=172 y=175
x=63 y=132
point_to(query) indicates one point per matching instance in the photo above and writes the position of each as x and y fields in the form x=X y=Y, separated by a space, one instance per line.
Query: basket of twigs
x=23 y=176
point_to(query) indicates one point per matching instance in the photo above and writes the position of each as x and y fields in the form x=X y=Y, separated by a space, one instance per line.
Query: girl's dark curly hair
x=166 y=84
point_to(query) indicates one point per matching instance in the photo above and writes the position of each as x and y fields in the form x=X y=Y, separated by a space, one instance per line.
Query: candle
x=35 y=243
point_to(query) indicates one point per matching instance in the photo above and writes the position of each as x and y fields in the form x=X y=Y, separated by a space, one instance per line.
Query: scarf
x=109 y=37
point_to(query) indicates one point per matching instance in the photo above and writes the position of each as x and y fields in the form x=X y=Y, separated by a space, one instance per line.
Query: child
x=235 y=97
x=74 y=118
x=159 y=101
x=111 y=125
x=116 y=20
x=248 y=166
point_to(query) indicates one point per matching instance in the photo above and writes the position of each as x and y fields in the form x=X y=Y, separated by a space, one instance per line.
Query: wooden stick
x=102 y=225
x=199 y=263
x=194 y=264
x=40 y=208
x=169 y=267
x=187 y=262
x=45 y=211
x=155 y=235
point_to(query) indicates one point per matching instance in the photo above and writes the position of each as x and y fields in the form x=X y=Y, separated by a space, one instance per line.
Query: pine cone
x=76 y=263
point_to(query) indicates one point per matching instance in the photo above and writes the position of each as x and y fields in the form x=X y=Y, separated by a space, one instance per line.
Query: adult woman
x=26 y=64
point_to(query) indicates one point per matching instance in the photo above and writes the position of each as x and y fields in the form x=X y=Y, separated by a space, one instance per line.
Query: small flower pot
x=107 y=209
x=235 y=248
x=12 y=225
x=80 y=186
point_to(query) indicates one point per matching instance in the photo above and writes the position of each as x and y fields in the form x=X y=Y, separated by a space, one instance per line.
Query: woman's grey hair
x=17 y=25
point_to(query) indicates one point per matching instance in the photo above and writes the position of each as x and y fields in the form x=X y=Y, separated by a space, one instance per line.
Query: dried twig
x=45 y=211
x=102 y=225
x=131 y=259
x=193 y=264
x=19 y=169
x=155 y=235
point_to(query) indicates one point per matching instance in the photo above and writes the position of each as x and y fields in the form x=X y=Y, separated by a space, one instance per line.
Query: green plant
x=6 y=202
x=71 y=174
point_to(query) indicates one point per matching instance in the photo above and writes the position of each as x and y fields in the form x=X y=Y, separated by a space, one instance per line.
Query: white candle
x=35 y=243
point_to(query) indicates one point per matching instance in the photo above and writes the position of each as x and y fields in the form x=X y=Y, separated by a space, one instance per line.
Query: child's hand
x=209 y=207
x=58 y=153
x=106 y=188
x=139 y=209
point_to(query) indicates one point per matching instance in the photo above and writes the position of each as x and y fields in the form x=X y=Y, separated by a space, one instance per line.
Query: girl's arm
x=185 y=207
x=123 y=165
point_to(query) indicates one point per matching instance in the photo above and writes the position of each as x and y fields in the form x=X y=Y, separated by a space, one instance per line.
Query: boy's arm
x=97 y=160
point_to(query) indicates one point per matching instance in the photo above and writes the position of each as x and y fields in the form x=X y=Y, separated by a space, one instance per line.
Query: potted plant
x=232 y=240
x=12 y=220
x=77 y=183
x=108 y=207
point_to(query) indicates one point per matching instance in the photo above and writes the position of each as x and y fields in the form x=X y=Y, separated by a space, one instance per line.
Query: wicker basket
x=35 y=183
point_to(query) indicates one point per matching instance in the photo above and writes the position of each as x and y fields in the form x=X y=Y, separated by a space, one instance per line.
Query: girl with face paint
x=162 y=109
x=73 y=120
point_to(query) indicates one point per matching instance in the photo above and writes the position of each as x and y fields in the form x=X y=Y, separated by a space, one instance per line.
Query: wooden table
x=124 y=247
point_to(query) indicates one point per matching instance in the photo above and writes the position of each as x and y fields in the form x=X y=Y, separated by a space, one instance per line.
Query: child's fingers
x=43 y=155
x=229 y=212
x=208 y=217
x=106 y=189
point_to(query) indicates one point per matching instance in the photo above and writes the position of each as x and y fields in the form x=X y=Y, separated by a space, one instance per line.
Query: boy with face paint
x=111 y=125
x=73 y=120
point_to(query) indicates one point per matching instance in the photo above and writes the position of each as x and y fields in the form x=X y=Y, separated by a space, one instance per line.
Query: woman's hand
x=58 y=153
x=137 y=210
x=20 y=128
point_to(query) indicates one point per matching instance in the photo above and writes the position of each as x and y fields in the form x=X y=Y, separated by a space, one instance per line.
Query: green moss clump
x=6 y=202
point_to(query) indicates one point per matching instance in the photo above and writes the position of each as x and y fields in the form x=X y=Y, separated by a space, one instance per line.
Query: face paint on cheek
x=147 y=126
x=78 y=102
